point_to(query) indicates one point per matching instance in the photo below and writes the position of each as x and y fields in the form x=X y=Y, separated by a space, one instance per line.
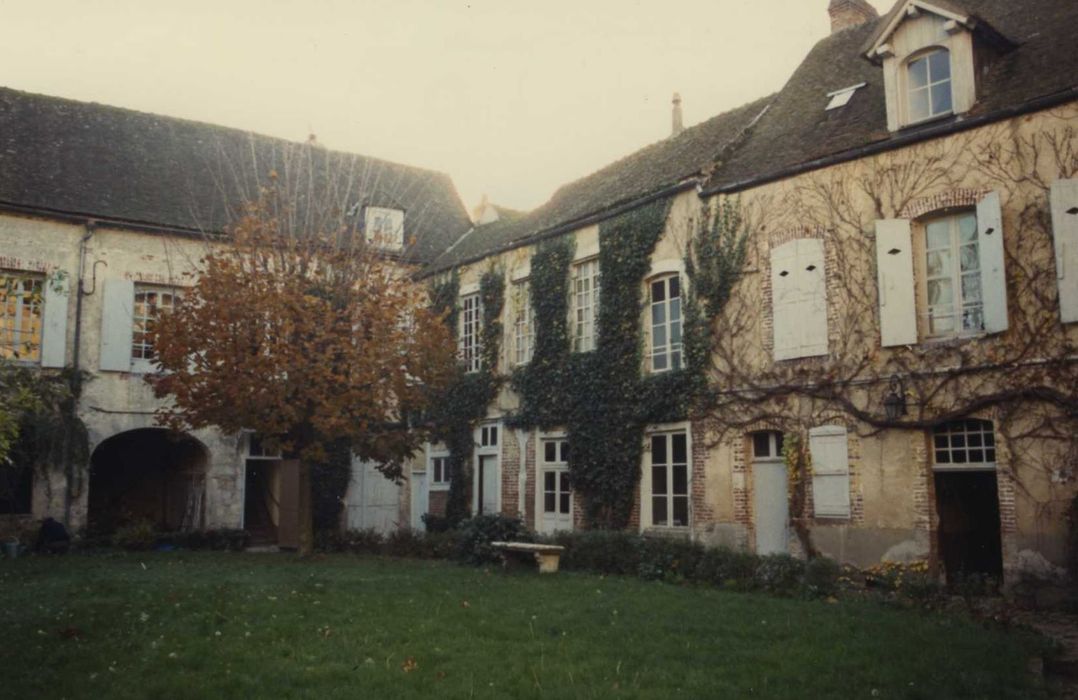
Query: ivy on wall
x=463 y=403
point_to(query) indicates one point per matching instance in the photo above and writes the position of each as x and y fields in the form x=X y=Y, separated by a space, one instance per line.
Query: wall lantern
x=894 y=403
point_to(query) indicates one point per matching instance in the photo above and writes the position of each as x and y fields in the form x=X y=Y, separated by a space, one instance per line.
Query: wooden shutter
x=990 y=249
x=1065 y=234
x=54 y=321
x=812 y=282
x=830 y=471
x=894 y=266
x=785 y=299
x=117 y=319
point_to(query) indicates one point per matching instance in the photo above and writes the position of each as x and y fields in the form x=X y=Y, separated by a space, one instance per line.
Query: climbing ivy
x=463 y=403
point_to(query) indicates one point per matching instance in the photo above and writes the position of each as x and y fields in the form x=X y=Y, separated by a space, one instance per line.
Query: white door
x=770 y=504
x=487 y=498
x=554 y=494
x=420 y=504
x=373 y=501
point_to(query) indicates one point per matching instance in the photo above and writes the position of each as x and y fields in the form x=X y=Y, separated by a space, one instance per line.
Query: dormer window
x=384 y=227
x=929 y=85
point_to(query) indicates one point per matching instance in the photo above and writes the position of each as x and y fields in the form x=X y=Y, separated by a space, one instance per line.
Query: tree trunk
x=306 y=514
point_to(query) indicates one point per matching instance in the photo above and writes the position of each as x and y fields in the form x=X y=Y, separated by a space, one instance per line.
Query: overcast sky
x=511 y=97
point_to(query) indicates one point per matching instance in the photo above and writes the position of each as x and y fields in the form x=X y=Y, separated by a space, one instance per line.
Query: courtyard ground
x=196 y=625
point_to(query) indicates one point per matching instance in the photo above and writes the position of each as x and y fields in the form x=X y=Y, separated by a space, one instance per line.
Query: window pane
x=658 y=510
x=939 y=235
x=658 y=337
x=675 y=360
x=564 y=498
x=550 y=452
x=658 y=480
x=550 y=481
x=680 y=452
x=967 y=257
x=973 y=318
x=971 y=288
x=918 y=73
x=761 y=445
x=658 y=290
x=565 y=451
x=778 y=444
x=658 y=314
x=941 y=98
x=681 y=511
x=919 y=105
x=658 y=361
x=939 y=292
x=939 y=66
x=681 y=480
x=658 y=449
x=967 y=227
x=675 y=310
x=675 y=287
x=550 y=502
x=494 y=435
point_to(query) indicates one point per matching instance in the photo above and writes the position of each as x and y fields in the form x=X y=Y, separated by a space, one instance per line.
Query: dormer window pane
x=930 y=86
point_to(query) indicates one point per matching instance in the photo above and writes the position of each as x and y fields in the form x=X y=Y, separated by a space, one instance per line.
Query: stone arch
x=152 y=475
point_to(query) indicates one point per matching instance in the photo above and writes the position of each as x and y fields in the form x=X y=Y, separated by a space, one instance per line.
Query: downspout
x=76 y=377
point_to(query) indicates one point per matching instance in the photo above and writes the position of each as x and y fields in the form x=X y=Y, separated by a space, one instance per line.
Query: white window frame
x=560 y=467
x=256 y=451
x=585 y=306
x=384 y=227
x=672 y=353
x=958 y=435
x=908 y=88
x=26 y=304
x=647 y=488
x=143 y=357
x=470 y=342
x=433 y=456
x=488 y=437
x=954 y=278
x=523 y=323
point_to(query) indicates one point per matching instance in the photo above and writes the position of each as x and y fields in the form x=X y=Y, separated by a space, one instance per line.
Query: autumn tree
x=310 y=335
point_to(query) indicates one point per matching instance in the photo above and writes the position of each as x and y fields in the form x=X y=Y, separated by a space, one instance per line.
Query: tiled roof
x=87 y=159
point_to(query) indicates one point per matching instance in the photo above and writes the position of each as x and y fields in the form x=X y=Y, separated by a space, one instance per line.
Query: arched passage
x=150 y=474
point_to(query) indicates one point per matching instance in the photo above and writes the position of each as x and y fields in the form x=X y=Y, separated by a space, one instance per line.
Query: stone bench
x=546 y=555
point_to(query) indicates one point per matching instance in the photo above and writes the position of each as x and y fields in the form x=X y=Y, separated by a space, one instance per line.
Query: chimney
x=676 y=126
x=850 y=13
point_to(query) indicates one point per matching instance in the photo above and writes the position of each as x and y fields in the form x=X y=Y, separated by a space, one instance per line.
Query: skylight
x=841 y=98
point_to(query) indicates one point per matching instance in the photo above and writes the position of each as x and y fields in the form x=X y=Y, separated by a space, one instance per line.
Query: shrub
x=436 y=523
x=780 y=574
x=726 y=567
x=367 y=541
x=139 y=535
x=601 y=551
x=477 y=533
x=821 y=577
x=668 y=560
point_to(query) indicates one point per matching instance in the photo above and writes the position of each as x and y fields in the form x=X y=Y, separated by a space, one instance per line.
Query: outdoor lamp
x=894 y=403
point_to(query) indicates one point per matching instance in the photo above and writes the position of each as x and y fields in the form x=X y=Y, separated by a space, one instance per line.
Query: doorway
x=262 y=501
x=487 y=481
x=554 y=494
x=967 y=503
x=770 y=501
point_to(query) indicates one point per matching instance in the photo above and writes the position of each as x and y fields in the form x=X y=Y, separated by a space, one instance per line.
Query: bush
x=367 y=541
x=601 y=551
x=139 y=535
x=821 y=577
x=477 y=533
x=436 y=523
x=727 y=568
x=779 y=574
x=668 y=559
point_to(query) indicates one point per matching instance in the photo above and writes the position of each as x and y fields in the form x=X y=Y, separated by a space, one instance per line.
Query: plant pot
x=11 y=549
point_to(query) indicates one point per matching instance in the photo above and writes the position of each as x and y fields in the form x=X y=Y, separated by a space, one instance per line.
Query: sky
x=512 y=98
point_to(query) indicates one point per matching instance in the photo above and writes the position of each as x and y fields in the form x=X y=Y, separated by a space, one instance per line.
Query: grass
x=195 y=625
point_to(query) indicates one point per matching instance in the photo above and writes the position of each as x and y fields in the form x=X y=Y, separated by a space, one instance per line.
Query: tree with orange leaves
x=310 y=338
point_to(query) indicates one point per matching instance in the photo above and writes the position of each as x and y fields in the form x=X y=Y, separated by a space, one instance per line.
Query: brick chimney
x=850 y=13
x=676 y=126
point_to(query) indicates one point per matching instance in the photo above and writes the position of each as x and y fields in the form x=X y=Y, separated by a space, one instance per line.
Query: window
x=469 y=343
x=767 y=445
x=953 y=276
x=585 y=304
x=670 y=479
x=385 y=227
x=149 y=305
x=488 y=436
x=440 y=472
x=968 y=443
x=258 y=449
x=666 y=324
x=21 y=297
x=523 y=330
x=929 y=85
x=841 y=98
x=557 y=490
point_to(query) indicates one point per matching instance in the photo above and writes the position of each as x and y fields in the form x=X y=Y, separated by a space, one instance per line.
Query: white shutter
x=894 y=265
x=54 y=321
x=117 y=317
x=784 y=301
x=812 y=282
x=990 y=249
x=1065 y=234
x=830 y=471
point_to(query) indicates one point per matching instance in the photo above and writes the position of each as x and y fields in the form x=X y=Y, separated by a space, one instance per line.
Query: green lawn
x=194 y=625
